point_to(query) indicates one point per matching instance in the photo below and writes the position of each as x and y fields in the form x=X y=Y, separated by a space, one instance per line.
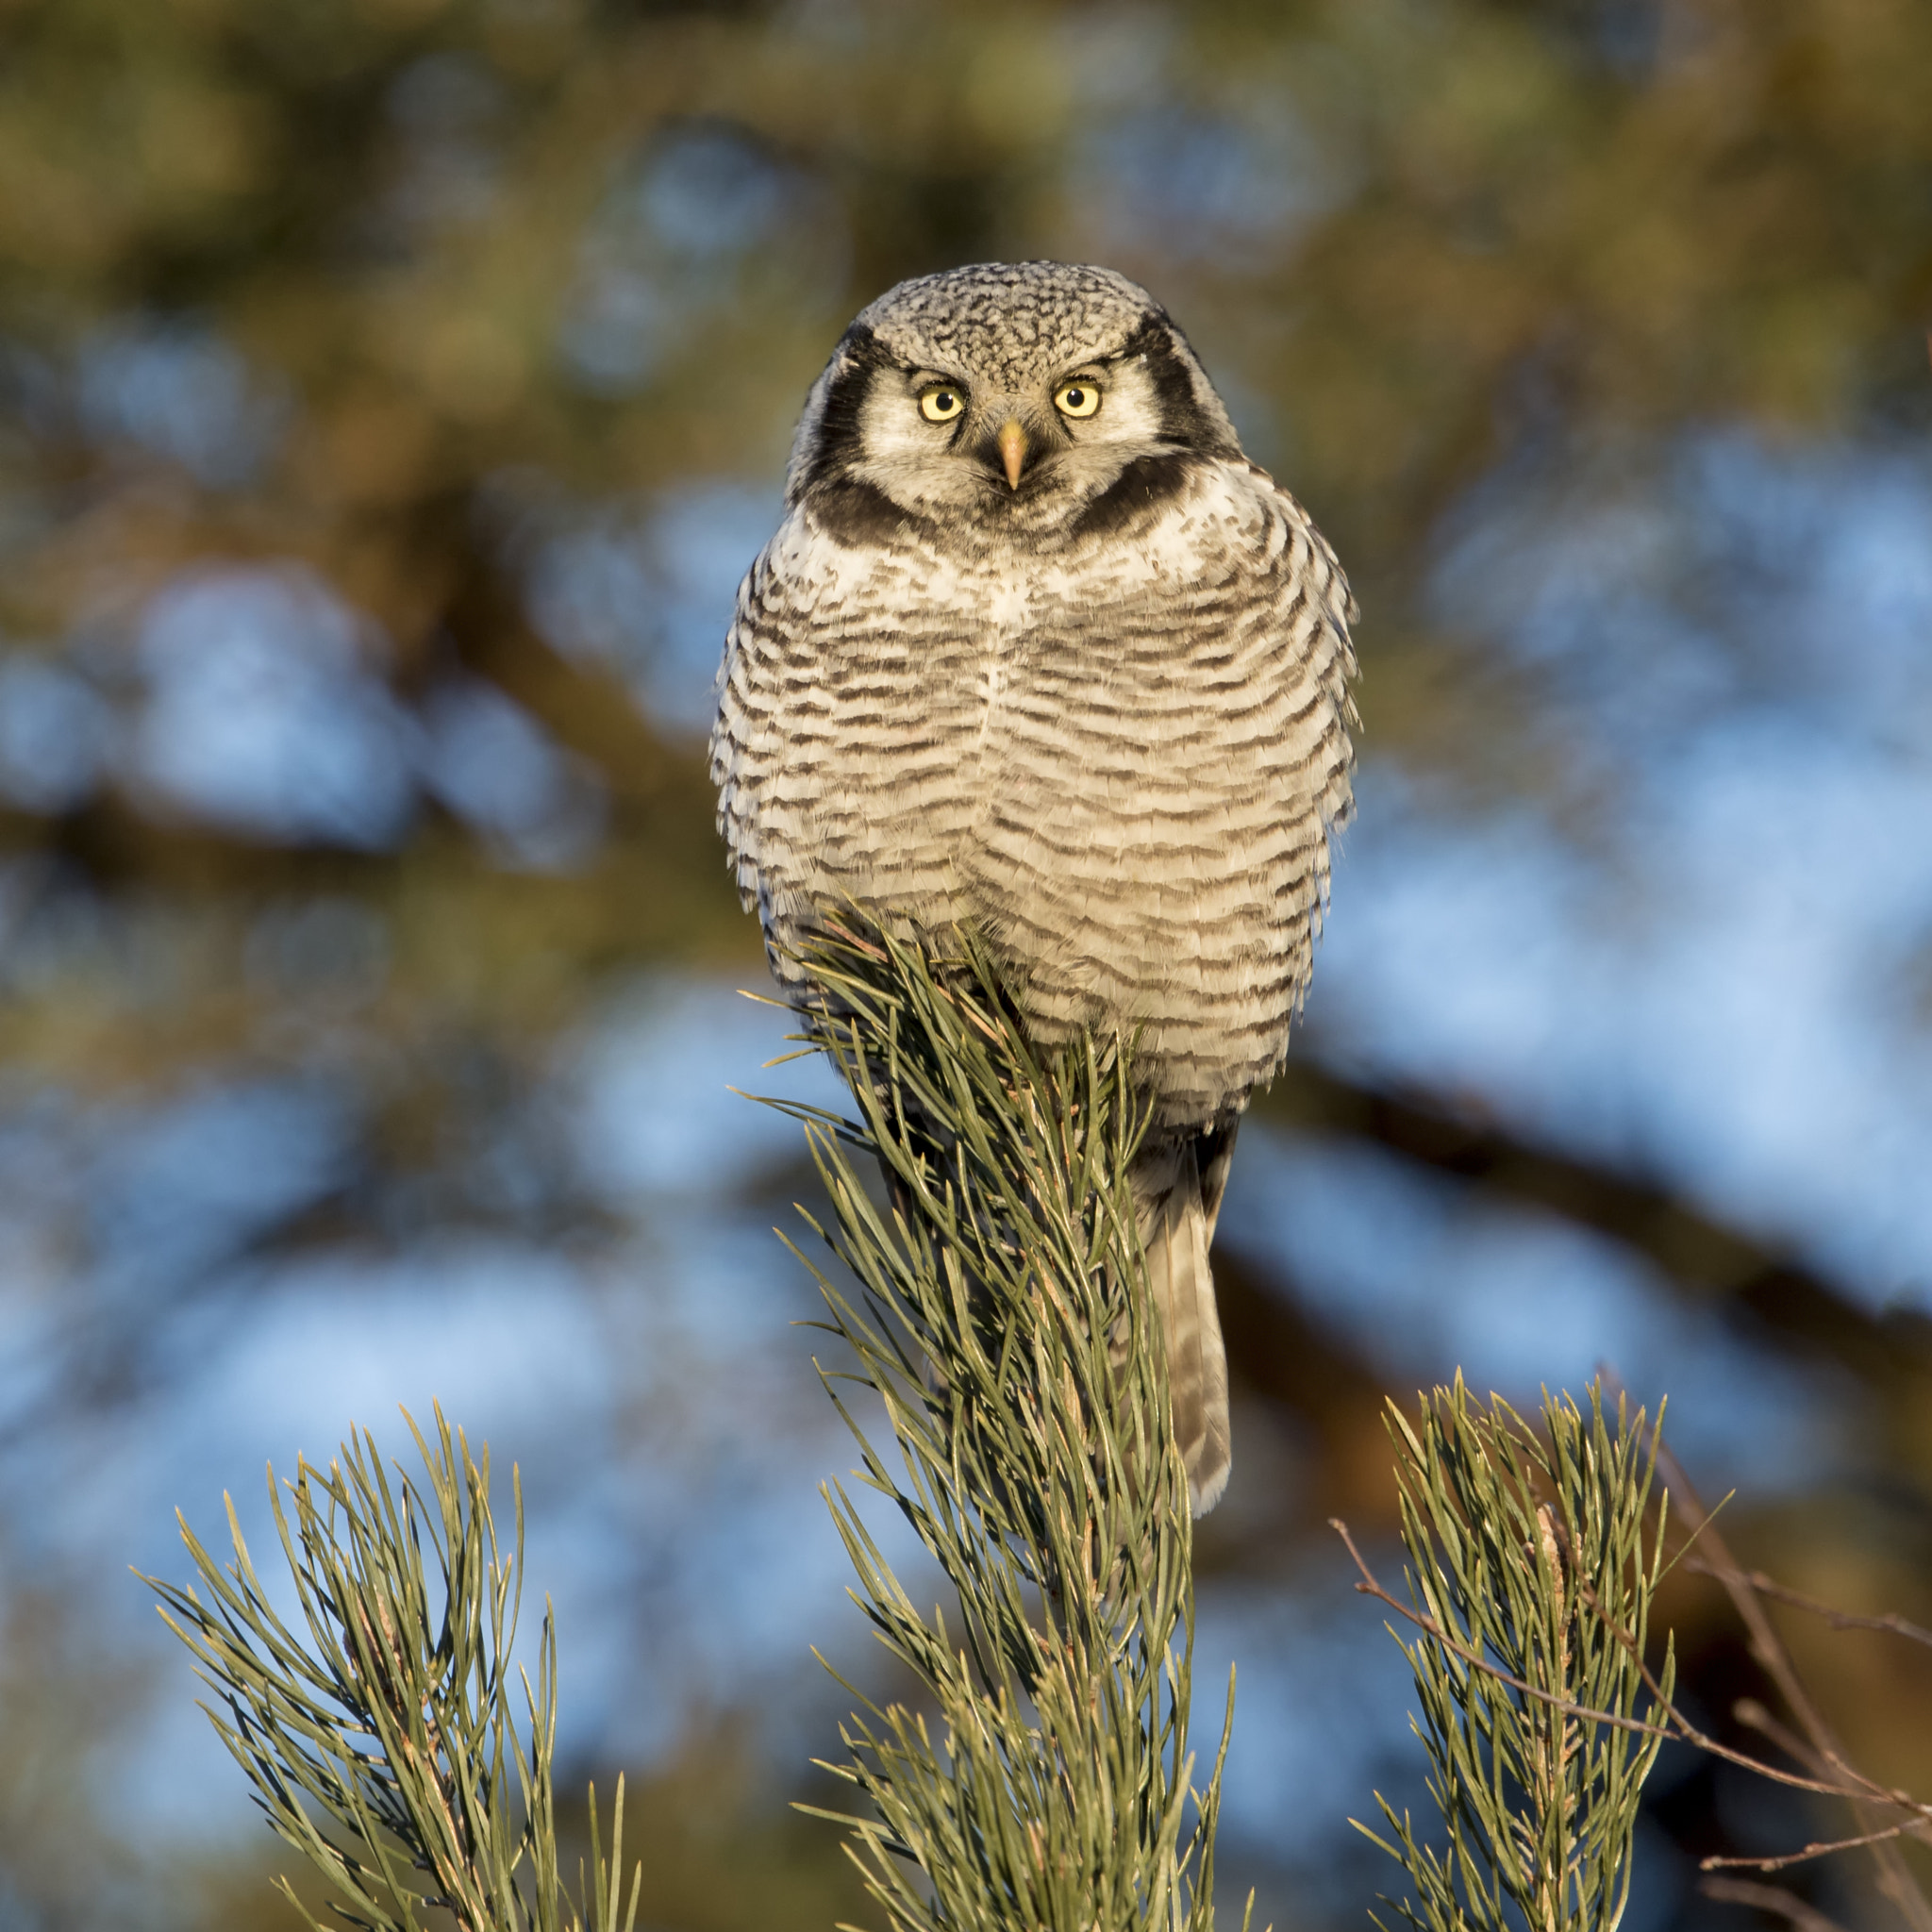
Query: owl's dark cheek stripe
x=1181 y=417
x=857 y=358
x=1143 y=485
x=855 y=513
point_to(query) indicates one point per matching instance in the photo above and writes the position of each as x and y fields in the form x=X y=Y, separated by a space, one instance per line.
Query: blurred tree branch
x=1768 y=1898
x=1895 y=1879
x=1691 y=1247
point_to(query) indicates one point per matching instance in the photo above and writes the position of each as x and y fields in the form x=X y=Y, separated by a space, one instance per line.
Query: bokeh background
x=391 y=392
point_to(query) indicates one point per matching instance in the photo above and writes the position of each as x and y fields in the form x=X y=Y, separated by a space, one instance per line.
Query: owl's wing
x=821 y=701
x=746 y=754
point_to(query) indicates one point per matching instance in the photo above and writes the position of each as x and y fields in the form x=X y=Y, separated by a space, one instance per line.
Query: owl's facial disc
x=1018 y=394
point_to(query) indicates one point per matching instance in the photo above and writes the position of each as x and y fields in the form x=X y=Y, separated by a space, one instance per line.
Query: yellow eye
x=941 y=405
x=1076 y=399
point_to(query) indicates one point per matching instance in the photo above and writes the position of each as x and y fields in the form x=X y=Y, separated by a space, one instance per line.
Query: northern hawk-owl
x=1038 y=648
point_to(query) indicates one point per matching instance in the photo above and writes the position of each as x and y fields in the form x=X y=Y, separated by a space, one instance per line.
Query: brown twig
x=1370 y=1587
x=1838 y=1620
x=1810 y=1851
x=1754 y=1716
x=1679 y=1727
x=1895 y=1879
x=1769 y=1898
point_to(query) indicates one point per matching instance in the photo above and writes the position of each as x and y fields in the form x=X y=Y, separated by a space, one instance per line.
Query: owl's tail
x=1177 y=1185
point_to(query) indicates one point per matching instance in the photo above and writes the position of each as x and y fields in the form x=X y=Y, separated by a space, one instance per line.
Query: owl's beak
x=1011 y=441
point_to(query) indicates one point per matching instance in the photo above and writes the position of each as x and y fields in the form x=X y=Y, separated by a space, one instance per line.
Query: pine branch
x=1530 y=1582
x=1001 y=1316
x=385 y=1745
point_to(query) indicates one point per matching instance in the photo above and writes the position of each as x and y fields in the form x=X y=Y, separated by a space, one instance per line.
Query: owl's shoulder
x=825 y=580
x=1295 y=545
x=1188 y=512
x=841 y=535
x=813 y=562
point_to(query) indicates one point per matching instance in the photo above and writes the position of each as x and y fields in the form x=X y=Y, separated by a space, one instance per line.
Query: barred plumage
x=1036 y=647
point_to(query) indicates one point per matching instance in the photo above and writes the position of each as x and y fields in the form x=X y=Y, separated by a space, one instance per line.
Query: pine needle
x=1000 y=1314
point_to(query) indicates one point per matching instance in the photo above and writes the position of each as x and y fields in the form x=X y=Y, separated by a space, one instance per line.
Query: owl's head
x=1009 y=388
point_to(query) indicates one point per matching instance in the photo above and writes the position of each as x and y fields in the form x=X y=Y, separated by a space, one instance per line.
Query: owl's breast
x=1149 y=849
x=1110 y=752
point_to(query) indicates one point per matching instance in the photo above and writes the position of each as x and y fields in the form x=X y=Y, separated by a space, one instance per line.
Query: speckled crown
x=1002 y=319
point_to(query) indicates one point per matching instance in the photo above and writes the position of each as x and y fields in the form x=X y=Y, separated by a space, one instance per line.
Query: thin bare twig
x=1895 y=1880
x=1754 y=1716
x=1810 y=1851
x=1838 y=1620
x=1769 y=1898
x=1835 y=1778
x=1370 y=1587
x=1679 y=1726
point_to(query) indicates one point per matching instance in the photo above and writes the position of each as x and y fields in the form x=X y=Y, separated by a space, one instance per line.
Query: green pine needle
x=1527 y=1549
x=385 y=1745
x=1001 y=1316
